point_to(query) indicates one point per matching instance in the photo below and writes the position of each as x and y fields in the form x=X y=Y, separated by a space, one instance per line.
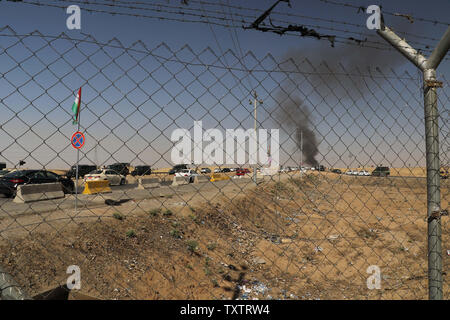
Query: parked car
x=338 y=171
x=381 y=172
x=217 y=170
x=364 y=173
x=225 y=170
x=187 y=173
x=141 y=171
x=205 y=170
x=83 y=169
x=351 y=172
x=178 y=168
x=112 y=176
x=2 y=165
x=120 y=167
x=10 y=181
x=320 y=168
x=3 y=172
x=242 y=172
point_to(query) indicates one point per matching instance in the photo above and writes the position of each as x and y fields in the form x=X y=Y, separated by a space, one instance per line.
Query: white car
x=112 y=176
x=363 y=173
x=351 y=172
x=187 y=173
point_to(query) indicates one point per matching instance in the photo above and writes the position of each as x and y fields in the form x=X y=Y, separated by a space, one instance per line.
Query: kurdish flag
x=76 y=107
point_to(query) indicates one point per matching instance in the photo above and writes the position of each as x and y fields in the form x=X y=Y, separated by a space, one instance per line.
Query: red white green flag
x=76 y=107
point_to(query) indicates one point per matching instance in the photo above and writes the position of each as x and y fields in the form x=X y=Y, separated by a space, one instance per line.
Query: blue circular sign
x=78 y=140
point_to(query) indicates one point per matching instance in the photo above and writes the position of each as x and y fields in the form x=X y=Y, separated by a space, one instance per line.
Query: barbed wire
x=295 y=15
x=132 y=48
x=116 y=3
x=221 y=21
x=410 y=17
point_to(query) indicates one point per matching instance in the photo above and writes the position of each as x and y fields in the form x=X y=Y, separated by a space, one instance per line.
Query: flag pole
x=76 y=174
x=78 y=155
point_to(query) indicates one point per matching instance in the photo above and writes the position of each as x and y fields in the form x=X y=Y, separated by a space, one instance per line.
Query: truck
x=120 y=168
x=141 y=170
x=83 y=169
x=381 y=171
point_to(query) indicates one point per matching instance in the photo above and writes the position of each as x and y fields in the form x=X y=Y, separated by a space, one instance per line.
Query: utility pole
x=428 y=67
x=301 y=153
x=255 y=102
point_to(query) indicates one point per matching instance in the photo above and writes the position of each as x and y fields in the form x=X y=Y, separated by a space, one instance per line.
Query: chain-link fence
x=334 y=208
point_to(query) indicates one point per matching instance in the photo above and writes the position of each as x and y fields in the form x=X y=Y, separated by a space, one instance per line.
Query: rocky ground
x=309 y=237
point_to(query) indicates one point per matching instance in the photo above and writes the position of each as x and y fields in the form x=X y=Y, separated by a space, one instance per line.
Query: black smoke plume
x=344 y=72
x=295 y=118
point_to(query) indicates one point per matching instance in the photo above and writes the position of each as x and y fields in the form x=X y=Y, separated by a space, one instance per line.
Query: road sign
x=78 y=140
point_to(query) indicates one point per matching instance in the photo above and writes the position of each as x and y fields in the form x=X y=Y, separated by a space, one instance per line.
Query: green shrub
x=192 y=245
x=154 y=212
x=175 y=233
x=117 y=216
x=194 y=218
x=131 y=234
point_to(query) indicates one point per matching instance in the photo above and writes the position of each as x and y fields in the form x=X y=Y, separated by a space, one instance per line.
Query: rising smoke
x=329 y=72
x=295 y=118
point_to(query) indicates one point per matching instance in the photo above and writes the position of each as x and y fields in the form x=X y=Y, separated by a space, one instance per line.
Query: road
x=128 y=191
x=10 y=209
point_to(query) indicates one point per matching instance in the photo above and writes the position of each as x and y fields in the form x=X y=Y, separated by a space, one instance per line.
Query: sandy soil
x=291 y=237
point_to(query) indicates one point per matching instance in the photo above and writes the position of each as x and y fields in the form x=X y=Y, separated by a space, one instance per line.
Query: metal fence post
x=433 y=187
x=428 y=67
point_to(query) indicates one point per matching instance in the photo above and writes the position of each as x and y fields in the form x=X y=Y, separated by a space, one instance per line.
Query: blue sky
x=355 y=126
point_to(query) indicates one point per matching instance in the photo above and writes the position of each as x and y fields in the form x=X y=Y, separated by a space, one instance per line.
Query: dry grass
x=304 y=238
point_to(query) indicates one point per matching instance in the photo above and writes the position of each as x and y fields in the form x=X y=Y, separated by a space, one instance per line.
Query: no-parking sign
x=78 y=140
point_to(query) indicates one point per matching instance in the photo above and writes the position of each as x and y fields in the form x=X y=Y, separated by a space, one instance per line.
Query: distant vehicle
x=141 y=171
x=112 y=176
x=225 y=170
x=242 y=172
x=2 y=165
x=187 y=173
x=364 y=173
x=120 y=167
x=338 y=171
x=319 y=168
x=10 y=181
x=178 y=168
x=217 y=170
x=351 y=173
x=83 y=169
x=381 y=172
x=205 y=170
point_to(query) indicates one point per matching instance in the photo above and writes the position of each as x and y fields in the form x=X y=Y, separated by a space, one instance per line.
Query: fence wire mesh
x=322 y=225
